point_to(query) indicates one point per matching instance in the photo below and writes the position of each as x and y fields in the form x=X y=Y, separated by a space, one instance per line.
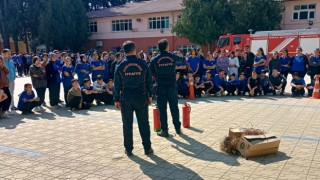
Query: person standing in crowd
x=67 y=76
x=45 y=59
x=6 y=54
x=4 y=85
x=24 y=62
x=298 y=84
x=201 y=71
x=28 y=63
x=220 y=83
x=278 y=82
x=83 y=69
x=314 y=64
x=28 y=101
x=74 y=97
x=20 y=65
x=106 y=73
x=274 y=62
x=15 y=61
x=39 y=79
x=133 y=97
x=259 y=61
x=299 y=63
x=250 y=54
x=194 y=63
x=53 y=80
x=111 y=59
x=97 y=67
x=223 y=62
x=254 y=84
x=116 y=62
x=285 y=63
x=233 y=64
x=246 y=64
x=210 y=63
x=163 y=68
x=181 y=64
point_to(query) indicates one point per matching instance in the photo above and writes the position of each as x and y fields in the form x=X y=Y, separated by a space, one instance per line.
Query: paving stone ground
x=60 y=144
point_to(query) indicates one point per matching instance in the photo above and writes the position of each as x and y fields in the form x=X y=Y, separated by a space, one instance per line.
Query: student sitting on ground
x=75 y=98
x=207 y=81
x=265 y=83
x=298 y=84
x=242 y=85
x=182 y=85
x=101 y=88
x=198 y=86
x=109 y=92
x=28 y=101
x=310 y=88
x=219 y=83
x=87 y=91
x=232 y=85
x=278 y=82
x=254 y=84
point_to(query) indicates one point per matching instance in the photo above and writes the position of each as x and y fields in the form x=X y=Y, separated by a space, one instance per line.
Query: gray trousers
x=11 y=89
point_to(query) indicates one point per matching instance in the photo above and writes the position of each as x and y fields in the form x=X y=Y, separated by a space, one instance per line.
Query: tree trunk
x=26 y=40
x=16 y=45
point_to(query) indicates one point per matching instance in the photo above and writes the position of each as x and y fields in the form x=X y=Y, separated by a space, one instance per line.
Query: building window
x=186 y=48
x=92 y=27
x=159 y=23
x=303 y=12
x=122 y=25
x=152 y=49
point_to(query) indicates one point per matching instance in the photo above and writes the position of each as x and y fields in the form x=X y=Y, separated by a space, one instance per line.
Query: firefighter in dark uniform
x=163 y=68
x=133 y=93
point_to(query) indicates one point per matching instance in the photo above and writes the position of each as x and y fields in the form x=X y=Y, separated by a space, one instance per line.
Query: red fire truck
x=271 y=41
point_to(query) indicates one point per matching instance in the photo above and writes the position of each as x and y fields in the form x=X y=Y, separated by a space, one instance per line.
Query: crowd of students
x=240 y=73
x=245 y=73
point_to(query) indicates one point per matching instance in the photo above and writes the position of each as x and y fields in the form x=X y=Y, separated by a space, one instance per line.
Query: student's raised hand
x=117 y=105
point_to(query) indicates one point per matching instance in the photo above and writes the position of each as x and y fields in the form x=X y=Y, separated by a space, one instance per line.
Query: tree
x=63 y=24
x=203 y=21
x=92 y=5
x=4 y=19
x=258 y=15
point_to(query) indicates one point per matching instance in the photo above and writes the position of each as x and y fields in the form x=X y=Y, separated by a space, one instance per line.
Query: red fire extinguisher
x=156 y=119
x=186 y=110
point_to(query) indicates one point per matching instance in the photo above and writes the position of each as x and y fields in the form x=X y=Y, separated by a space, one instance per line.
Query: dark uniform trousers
x=54 y=89
x=165 y=95
x=297 y=92
x=140 y=107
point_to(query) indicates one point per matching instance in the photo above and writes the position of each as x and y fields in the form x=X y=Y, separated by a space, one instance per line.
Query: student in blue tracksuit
x=27 y=100
x=259 y=61
x=210 y=63
x=232 y=85
x=97 y=66
x=242 y=87
x=106 y=73
x=299 y=63
x=181 y=65
x=220 y=83
x=265 y=83
x=67 y=76
x=194 y=63
x=202 y=71
x=298 y=84
x=207 y=81
x=83 y=69
x=254 y=84
x=314 y=65
x=285 y=63
x=182 y=86
x=53 y=80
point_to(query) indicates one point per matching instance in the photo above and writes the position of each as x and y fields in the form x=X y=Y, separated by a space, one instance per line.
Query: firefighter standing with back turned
x=163 y=68
x=133 y=93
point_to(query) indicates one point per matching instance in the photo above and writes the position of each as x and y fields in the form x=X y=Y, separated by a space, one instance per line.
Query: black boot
x=163 y=133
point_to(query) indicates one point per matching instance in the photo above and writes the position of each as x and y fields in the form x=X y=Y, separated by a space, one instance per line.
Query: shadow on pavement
x=273 y=158
x=162 y=169
x=10 y=123
x=196 y=149
x=200 y=131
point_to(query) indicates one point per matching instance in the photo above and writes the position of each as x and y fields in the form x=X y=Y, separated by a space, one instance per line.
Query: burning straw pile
x=229 y=143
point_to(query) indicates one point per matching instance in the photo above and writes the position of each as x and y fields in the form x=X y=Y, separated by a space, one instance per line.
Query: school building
x=142 y=22
x=301 y=14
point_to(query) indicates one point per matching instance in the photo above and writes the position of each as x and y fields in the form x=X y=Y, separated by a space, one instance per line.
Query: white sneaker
x=41 y=108
x=8 y=113
x=37 y=109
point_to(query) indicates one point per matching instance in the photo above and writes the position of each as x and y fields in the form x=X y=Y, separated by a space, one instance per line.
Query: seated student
x=298 y=84
x=207 y=81
x=101 y=91
x=75 y=98
x=87 y=91
x=242 y=85
x=232 y=85
x=198 y=86
x=310 y=88
x=265 y=83
x=109 y=92
x=182 y=85
x=278 y=82
x=219 y=83
x=28 y=101
x=254 y=84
